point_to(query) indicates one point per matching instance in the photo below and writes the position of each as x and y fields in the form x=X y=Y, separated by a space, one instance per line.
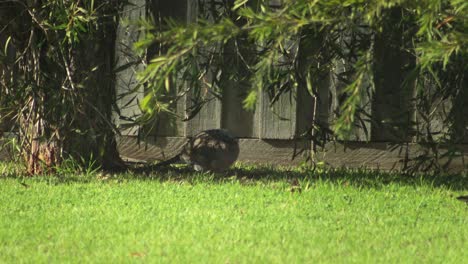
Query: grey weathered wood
x=235 y=87
x=361 y=130
x=209 y=116
x=167 y=124
x=126 y=82
x=381 y=155
x=234 y=117
x=447 y=117
x=271 y=128
x=384 y=156
x=461 y=123
x=436 y=114
x=274 y=152
x=276 y=3
x=358 y=155
x=150 y=149
x=305 y=111
x=279 y=120
x=391 y=105
x=313 y=105
x=192 y=11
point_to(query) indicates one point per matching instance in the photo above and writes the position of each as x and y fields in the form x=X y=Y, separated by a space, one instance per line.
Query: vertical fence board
x=279 y=120
x=344 y=68
x=209 y=116
x=461 y=112
x=234 y=117
x=167 y=124
x=461 y=123
x=313 y=104
x=128 y=94
x=391 y=106
x=235 y=87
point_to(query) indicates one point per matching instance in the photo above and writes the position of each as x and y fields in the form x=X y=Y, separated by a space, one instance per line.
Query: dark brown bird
x=210 y=150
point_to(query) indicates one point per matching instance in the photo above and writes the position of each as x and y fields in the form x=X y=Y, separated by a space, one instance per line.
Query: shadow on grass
x=249 y=174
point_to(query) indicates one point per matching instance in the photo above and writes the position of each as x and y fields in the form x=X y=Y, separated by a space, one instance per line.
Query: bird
x=210 y=150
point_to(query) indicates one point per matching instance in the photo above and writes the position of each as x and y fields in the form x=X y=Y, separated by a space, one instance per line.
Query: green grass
x=248 y=216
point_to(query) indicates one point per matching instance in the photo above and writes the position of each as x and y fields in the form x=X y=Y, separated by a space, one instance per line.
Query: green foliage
x=260 y=215
x=270 y=45
x=84 y=168
x=56 y=74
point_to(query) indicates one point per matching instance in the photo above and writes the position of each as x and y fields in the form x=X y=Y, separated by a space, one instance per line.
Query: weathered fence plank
x=391 y=106
x=274 y=152
x=128 y=64
x=234 y=118
x=383 y=156
x=279 y=120
x=167 y=124
x=209 y=116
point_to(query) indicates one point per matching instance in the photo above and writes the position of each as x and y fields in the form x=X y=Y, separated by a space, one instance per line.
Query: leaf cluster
x=280 y=48
x=50 y=52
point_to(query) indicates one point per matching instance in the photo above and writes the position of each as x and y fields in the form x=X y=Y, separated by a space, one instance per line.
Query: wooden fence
x=270 y=134
x=266 y=134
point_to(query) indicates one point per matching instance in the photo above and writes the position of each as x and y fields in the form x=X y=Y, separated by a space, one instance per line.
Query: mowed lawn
x=246 y=216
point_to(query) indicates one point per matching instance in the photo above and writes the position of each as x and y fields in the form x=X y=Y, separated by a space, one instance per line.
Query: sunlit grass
x=248 y=215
